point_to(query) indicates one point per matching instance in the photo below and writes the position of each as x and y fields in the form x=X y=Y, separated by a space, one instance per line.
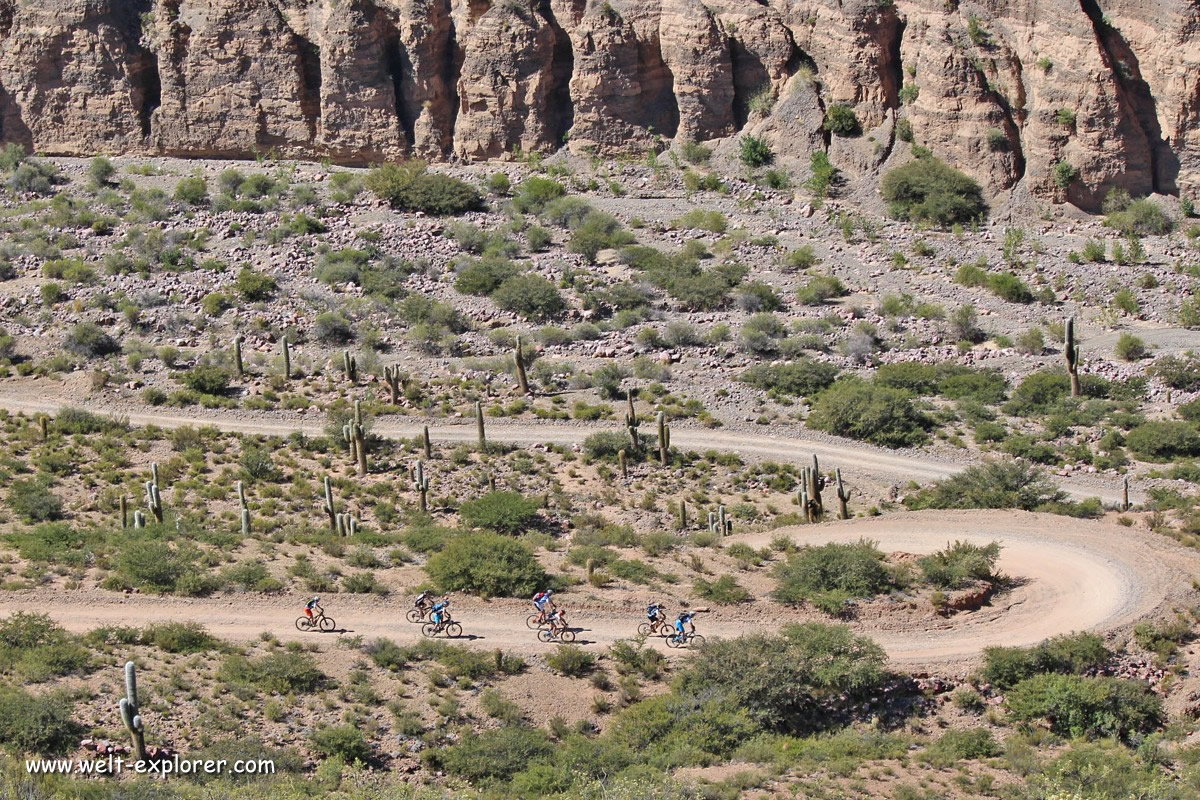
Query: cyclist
x=309 y=606
x=558 y=620
x=684 y=618
x=440 y=614
x=656 y=615
x=422 y=601
x=543 y=601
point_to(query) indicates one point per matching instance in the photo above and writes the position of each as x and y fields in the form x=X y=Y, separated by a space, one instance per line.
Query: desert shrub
x=1139 y=218
x=1038 y=392
x=487 y=564
x=34 y=177
x=605 y=445
x=1163 y=639
x=802 y=258
x=207 y=379
x=858 y=409
x=37 y=724
x=841 y=120
x=724 y=590
x=35 y=648
x=341 y=741
x=801 y=378
x=332 y=328
x=1130 y=347
x=1178 y=372
x=254 y=286
x=534 y=194
x=88 y=340
x=1064 y=174
x=282 y=671
x=998 y=484
x=531 y=296
x=180 y=637
x=786 y=680
x=411 y=187
x=598 y=231
x=1069 y=654
x=820 y=289
x=482 y=276
x=959 y=564
x=1163 y=440
x=571 y=660
x=1079 y=706
x=1009 y=287
x=494 y=755
x=955 y=746
x=829 y=575
x=154 y=566
x=503 y=512
x=32 y=500
x=928 y=190
x=754 y=151
x=824 y=175
x=192 y=190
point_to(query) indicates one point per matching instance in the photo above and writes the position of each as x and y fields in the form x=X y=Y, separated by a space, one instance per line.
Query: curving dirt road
x=1074 y=575
x=799 y=446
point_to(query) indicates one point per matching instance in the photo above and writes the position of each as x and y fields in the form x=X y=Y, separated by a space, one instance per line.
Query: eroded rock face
x=992 y=88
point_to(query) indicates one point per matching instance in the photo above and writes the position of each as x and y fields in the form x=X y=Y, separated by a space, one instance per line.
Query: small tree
x=509 y=513
x=487 y=564
x=754 y=151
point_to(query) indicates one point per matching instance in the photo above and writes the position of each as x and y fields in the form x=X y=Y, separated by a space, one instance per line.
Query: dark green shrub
x=37 y=724
x=487 y=564
x=32 y=500
x=332 y=327
x=282 y=671
x=88 y=340
x=531 y=296
x=955 y=746
x=482 y=276
x=1038 y=392
x=154 y=566
x=998 y=484
x=857 y=409
x=605 y=445
x=180 y=637
x=1009 y=287
x=572 y=661
x=35 y=648
x=254 y=286
x=820 y=289
x=503 y=512
x=207 y=379
x=1178 y=372
x=1139 y=218
x=927 y=190
x=342 y=741
x=494 y=755
x=1069 y=654
x=192 y=190
x=801 y=378
x=960 y=564
x=1093 y=707
x=841 y=120
x=724 y=590
x=534 y=194
x=411 y=187
x=831 y=574
x=754 y=151
x=1163 y=440
x=598 y=231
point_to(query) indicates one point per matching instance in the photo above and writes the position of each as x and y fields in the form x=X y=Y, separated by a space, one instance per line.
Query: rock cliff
x=1004 y=89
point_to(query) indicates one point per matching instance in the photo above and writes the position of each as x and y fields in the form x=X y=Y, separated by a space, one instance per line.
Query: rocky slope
x=990 y=86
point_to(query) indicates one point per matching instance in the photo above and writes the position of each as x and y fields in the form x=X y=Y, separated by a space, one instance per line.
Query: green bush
x=861 y=410
x=1038 y=392
x=482 y=276
x=283 y=671
x=35 y=648
x=32 y=500
x=955 y=746
x=841 y=120
x=929 y=191
x=494 y=755
x=800 y=378
x=831 y=574
x=998 y=484
x=1079 y=706
x=410 y=187
x=192 y=190
x=820 y=289
x=487 y=564
x=605 y=445
x=754 y=151
x=598 y=231
x=1069 y=654
x=154 y=566
x=1178 y=372
x=531 y=296
x=1139 y=218
x=534 y=194
x=207 y=379
x=1130 y=347
x=960 y=564
x=725 y=590
x=341 y=741
x=37 y=724
x=254 y=286
x=787 y=681
x=1163 y=440
x=88 y=340
x=1009 y=287
x=332 y=328
x=503 y=512
x=180 y=637
x=572 y=661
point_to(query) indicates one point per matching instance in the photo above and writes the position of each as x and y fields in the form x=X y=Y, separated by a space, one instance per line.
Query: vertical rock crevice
x=309 y=68
x=561 y=107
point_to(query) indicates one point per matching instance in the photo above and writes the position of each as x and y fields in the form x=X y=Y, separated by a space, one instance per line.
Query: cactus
x=421 y=484
x=683 y=515
x=124 y=512
x=725 y=523
x=519 y=358
x=664 y=438
x=394 y=379
x=1125 y=493
x=346 y=524
x=153 y=496
x=131 y=713
x=139 y=520
x=245 y=508
x=479 y=426
x=330 y=510
x=805 y=507
x=712 y=522
x=624 y=462
x=287 y=359
x=426 y=444
x=1071 y=353
x=44 y=426
x=843 y=496
x=631 y=423
x=816 y=482
x=491 y=481
x=237 y=356
x=350 y=366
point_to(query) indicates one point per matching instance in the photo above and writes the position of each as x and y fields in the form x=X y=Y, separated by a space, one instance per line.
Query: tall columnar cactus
x=683 y=521
x=153 y=495
x=330 y=509
x=44 y=426
x=1071 y=354
x=124 y=512
x=623 y=460
x=519 y=360
x=712 y=522
x=664 y=438
x=287 y=359
x=479 y=427
x=421 y=484
x=139 y=520
x=346 y=525
x=350 y=366
x=724 y=522
x=843 y=496
x=245 y=508
x=805 y=501
x=426 y=444
x=816 y=482
x=394 y=379
x=1125 y=493
x=631 y=423
x=237 y=356
x=131 y=713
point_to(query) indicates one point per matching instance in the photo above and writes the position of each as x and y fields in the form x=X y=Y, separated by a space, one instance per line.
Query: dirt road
x=1073 y=575
x=794 y=444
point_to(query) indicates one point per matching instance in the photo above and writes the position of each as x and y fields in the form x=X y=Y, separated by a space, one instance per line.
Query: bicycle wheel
x=695 y=640
x=414 y=615
x=429 y=629
x=567 y=636
x=454 y=630
x=672 y=642
x=303 y=624
x=644 y=629
x=532 y=622
x=327 y=624
x=544 y=635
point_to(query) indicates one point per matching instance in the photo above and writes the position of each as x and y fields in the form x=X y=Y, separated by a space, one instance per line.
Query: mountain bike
x=660 y=627
x=686 y=639
x=448 y=626
x=550 y=633
x=318 y=622
x=535 y=621
x=417 y=614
